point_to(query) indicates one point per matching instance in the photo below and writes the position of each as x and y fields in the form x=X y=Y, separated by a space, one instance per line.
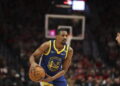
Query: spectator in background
x=118 y=37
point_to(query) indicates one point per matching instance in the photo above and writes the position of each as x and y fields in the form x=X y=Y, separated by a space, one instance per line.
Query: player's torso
x=53 y=59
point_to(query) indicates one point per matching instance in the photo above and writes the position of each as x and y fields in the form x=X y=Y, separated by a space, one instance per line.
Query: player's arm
x=66 y=65
x=118 y=37
x=38 y=52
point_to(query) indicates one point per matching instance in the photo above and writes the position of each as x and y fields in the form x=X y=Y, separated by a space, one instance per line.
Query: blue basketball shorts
x=59 y=82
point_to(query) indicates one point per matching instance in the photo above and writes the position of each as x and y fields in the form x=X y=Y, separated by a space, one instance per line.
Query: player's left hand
x=48 y=78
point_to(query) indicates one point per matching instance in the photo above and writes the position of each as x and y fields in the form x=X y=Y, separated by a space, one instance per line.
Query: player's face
x=62 y=37
x=118 y=38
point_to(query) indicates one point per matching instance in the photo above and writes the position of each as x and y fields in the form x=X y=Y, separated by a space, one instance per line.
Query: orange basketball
x=36 y=74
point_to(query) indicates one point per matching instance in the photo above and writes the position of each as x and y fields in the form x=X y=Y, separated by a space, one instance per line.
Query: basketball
x=36 y=74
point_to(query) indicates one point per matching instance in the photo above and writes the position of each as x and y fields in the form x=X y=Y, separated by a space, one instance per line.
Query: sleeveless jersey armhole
x=48 y=49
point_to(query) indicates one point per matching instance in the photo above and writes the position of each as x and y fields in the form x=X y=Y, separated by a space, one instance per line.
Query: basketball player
x=56 y=58
x=118 y=38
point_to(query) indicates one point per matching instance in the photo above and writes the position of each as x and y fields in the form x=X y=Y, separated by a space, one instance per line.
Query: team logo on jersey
x=54 y=63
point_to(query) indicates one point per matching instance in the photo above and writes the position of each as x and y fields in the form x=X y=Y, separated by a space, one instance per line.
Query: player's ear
x=57 y=35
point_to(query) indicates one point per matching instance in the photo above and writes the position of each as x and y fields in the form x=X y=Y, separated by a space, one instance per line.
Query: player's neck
x=58 y=45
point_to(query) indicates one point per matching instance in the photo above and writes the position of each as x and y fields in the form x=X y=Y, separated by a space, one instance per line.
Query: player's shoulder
x=70 y=49
x=46 y=44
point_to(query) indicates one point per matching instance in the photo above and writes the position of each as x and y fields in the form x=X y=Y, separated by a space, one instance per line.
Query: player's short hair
x=59 y=30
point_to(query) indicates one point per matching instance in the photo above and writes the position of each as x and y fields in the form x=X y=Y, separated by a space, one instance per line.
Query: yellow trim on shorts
x=48 y=49
x=58 y=52
x=45 y=84
x=67 y=51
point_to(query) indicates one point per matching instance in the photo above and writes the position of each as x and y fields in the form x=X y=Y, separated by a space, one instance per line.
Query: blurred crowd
x=96 y=59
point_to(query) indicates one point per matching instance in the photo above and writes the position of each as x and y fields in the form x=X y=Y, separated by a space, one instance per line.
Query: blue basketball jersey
x=52 y=60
